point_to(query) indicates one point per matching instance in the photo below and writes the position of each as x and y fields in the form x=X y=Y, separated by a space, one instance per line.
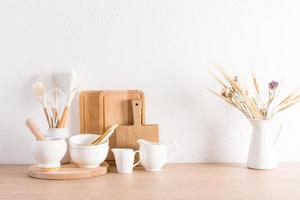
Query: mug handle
x=141 y=157
x=278 y=133
x=176 y=147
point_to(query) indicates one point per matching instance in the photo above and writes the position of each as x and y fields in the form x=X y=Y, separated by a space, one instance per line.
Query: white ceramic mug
x=125 y=159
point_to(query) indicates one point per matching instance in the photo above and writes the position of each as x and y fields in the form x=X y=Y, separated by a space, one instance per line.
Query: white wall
x=163 y=47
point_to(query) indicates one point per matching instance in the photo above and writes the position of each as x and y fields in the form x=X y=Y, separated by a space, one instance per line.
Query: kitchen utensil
x=56 y=100
x=101 y=109
x=40 y=92
x=48 y=153
x=105 y=136
x=60 y=133
x=45 y=78
x=68 y=82
x=127 y=136
x=67 y=172
x=33 y=127
x=155 y=155
x=66 y=112
x=85 y=155
x=124 y=158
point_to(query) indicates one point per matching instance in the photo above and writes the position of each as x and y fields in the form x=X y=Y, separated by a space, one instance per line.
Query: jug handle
x=176 y=147
x=141 y=157
x=278 y=133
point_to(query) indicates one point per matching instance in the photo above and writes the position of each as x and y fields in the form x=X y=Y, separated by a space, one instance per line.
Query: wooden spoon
x=105 y=135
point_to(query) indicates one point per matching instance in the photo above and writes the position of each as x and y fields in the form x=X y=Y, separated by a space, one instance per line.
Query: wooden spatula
x=127 y=136
x=105 y=136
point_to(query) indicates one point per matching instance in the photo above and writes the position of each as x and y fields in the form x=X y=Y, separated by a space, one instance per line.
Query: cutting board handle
x=137 y=111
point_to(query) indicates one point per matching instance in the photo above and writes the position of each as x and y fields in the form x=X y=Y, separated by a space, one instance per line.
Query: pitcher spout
x=141 y=141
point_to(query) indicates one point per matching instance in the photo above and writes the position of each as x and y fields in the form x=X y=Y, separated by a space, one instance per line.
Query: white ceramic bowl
x=49 y=153
x=87 y=156
x=82 y=140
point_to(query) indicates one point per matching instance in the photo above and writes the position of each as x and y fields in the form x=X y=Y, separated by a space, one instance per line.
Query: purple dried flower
x=236 y=79
x=273 y=85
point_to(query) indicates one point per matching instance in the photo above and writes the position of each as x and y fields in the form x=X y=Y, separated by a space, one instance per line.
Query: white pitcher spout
x=141 y=141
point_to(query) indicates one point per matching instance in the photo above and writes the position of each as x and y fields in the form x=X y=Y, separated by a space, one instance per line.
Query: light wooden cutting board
x=103 y=108
x=127 y=135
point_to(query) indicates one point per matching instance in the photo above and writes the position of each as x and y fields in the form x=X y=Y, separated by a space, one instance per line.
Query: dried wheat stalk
x=253 y=106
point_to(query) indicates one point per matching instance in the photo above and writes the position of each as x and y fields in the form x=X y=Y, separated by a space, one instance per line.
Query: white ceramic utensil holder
x=61 y=133
x=262 y=152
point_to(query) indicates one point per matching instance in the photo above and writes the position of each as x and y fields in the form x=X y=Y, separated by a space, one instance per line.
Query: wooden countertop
x=176 y=181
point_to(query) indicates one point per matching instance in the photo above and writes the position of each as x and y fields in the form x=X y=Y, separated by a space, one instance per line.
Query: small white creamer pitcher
x=155 y=155
x=125 y=159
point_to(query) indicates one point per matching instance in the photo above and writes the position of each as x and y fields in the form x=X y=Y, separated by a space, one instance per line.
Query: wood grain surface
x=176 y=181
x=100 y=109
x=67 y=172
x=127 y=136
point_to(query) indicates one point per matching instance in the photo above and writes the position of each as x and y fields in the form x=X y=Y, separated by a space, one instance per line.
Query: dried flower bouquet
x=253 y=105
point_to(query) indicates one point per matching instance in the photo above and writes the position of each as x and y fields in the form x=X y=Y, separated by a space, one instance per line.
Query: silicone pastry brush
x=63 y=120
x=105 y=135
x=34 y=129
x=68 y=82
x=40 y=92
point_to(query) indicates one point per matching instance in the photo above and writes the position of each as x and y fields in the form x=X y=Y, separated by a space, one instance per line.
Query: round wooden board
x=67 y=172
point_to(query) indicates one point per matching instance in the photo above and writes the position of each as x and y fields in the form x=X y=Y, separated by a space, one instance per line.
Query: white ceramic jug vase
x=262 y=152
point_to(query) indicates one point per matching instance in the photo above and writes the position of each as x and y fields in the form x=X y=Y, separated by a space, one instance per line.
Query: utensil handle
x=137 y=111
x=176 y=147
x=109 y=132
x=55 y=117
x=47 y=116
x=34 y=129
x=64 y=117
x=141 y=157
x=278 y=133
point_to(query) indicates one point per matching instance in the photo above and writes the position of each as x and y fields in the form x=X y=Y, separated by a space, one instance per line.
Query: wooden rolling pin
x=34 y=129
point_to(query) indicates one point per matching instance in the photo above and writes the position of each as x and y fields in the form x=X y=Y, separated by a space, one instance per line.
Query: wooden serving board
x=67 y=172
x=102 y=108
x=127 y=135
